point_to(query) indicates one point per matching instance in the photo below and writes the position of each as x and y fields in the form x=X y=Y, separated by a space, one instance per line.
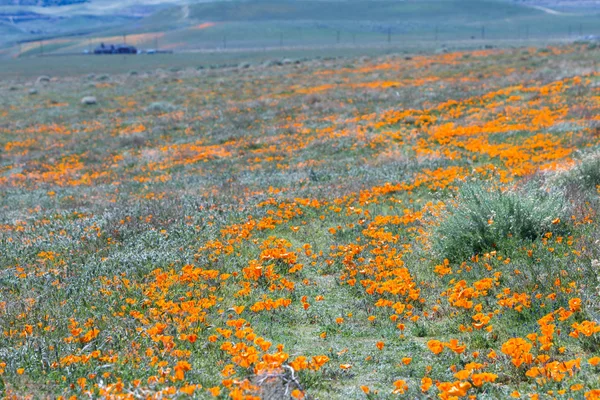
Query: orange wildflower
x=435 y=346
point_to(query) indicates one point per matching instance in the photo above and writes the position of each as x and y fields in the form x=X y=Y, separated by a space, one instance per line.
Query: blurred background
x=227 y=31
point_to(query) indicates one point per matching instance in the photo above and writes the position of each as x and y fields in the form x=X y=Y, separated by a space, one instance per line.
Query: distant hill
x=190 y=25
x=261 y=10
x=41 y=3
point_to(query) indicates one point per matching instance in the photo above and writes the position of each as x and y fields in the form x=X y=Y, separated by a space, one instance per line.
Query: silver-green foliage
x=482 y=220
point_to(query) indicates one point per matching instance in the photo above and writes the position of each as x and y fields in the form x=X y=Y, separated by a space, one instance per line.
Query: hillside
x=264 y=24
x=564 y=5
x=40 y=3
x=356 y=10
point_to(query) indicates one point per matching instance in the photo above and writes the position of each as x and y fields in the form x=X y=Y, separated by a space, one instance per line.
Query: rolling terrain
x=264 y=24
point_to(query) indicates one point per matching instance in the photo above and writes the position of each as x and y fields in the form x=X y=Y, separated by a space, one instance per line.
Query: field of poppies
x=375 y=227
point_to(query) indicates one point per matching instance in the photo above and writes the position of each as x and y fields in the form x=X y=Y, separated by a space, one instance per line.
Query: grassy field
x=25 y=68
x=390 y=226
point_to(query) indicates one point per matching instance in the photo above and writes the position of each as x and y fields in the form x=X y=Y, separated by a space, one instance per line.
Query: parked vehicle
x=115 y=49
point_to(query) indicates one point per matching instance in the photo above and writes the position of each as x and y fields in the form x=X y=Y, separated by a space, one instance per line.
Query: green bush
x=484 y=220
x=586 y=174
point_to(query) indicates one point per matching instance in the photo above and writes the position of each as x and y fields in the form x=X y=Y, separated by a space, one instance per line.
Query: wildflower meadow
x=383 y=227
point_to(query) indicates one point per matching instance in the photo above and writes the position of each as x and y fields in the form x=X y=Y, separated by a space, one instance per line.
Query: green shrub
x=586 y=174
x=484 y=220
x=161 y=107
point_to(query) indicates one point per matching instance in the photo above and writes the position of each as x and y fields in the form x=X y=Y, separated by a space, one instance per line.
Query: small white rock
x=42 y=80
x=89 y=100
